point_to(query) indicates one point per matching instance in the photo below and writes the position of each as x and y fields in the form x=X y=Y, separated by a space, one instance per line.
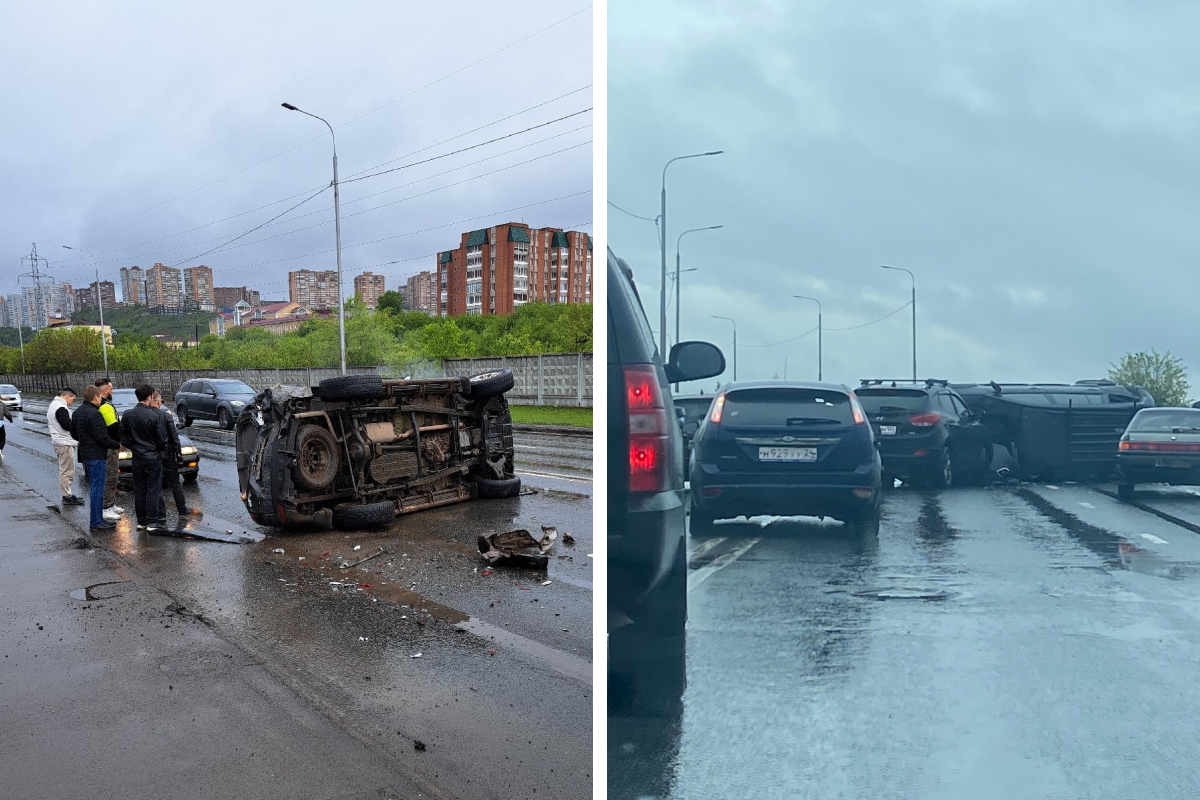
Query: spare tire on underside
x=351 y=516
x=351 y=387
x=490 y=384
x=492 y=489
x=317 y=457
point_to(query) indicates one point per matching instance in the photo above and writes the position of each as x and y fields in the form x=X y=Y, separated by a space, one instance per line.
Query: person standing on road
x=58 y=417
x=144 y=432
x=170 y=462
x=114 y=431
x=89 y=429
x=5 y=414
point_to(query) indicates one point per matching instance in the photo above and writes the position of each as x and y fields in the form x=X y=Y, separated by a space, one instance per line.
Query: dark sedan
x=1160 y=445
x=189 y=460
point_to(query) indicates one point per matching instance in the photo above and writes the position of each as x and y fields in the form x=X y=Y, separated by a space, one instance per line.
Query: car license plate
x=787 y=454
x=1174 y=463
x=887 y=430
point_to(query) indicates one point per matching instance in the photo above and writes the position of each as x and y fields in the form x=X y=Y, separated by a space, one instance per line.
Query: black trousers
x=170 y=473
x=147 y=492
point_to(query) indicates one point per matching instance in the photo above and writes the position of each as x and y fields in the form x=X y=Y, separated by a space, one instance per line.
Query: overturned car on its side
x=358 y=450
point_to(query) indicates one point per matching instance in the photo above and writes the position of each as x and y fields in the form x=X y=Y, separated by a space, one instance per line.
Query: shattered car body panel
x=306 y=456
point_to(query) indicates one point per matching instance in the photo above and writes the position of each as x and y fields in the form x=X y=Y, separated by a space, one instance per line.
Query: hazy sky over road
x=1037 y=165
x=108 y=109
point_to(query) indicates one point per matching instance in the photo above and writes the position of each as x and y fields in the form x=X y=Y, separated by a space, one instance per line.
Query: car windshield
x=693 y=407
x=8 y=388
x=875 y=400
x=781 y=408
x=1166 y=420
x=232 y=387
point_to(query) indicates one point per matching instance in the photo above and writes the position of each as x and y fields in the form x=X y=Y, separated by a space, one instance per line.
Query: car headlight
x=238 y=403
x=188 y=451
x=124 y=454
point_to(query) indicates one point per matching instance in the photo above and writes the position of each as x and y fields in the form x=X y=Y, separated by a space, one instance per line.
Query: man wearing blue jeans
x=89 y=429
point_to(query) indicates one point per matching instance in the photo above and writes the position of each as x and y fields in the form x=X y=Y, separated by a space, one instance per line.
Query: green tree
x=392 y=301
x=1163 y=375
x=61 y=350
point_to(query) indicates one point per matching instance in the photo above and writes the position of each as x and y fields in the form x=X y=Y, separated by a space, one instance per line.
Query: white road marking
x=1150 y=537
x=721 y=562
x=1087 y=505
x=705 y=546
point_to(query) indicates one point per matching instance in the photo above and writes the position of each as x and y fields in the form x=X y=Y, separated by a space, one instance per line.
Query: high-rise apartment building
x=133 y=286
x=60 y=300
x=226 y=297
x=420 y=292
x=5 y=322
x=15 y=316
x=164 y=290
x=198 y=289
x=496 y=270
x=313 y=288
x=86 y=298
x=368 y=287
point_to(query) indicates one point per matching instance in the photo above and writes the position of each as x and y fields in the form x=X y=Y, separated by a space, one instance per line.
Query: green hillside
x=135 y=320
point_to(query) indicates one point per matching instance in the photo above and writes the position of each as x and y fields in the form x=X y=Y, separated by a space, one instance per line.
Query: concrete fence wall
x=562 y=379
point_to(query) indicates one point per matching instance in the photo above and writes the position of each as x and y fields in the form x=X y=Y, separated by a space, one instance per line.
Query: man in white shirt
x=58 y=417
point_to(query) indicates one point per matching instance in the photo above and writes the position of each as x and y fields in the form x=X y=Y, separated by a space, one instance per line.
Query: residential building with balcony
x=164 y=290
x=313 y=288
x=133 y=286
x=368 y=288
x=198 y=289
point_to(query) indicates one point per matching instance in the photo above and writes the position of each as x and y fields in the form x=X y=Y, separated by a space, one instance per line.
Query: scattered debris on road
x=376 y=554
x=278 y=551
x=228 y=537
x=519 y=547
x=418 y=745
x=568 y=539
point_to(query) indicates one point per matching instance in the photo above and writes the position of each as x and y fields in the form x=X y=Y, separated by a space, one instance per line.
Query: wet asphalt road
x=1025 y=641
x=501 y=690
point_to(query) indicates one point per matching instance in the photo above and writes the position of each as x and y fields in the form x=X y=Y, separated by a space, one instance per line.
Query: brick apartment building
x=368 y=287
x=496 y=270
x=198 y=289
x=86 y=297
x=164 y=290
x=420 y=292
x=225 y=298
x=313 y=288
x=133 y=286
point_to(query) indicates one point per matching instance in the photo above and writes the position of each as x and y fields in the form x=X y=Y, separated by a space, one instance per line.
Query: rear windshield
x=781 y=408
x=875 y=401
x=1166 y=420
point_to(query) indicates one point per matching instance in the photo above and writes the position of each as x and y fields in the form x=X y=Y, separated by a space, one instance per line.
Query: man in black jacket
x=170 y=463
x=145 y=435
x=88 y=428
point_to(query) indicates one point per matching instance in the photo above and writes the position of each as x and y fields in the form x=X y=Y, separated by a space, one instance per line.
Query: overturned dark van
x=1057 y=431
x=358 y=450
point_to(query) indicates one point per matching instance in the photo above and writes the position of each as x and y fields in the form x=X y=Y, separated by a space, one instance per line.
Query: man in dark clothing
x=170 y=463
x=88 y=428
x=145 y=435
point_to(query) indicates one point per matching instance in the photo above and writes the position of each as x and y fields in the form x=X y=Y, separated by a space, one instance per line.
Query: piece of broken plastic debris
x=519 y=586
x=277 y=551
x=357 y=547
x=362 y=638
x=417 y=655
x=568 y=539
x=518 y=545
x=486 y=572
x=300 y=559
x=545 y=583
x=364 y=586
x=491 y=651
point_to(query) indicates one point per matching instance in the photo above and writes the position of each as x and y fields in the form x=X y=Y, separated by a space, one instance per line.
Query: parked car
x=690 y=410
x=189 y=460
x=1160 y=445
x=1057 y=431
x=787 y=449
x=647 y=536
x=222 y=399
x=11 y=397
x=926 y=434
x=359 y=450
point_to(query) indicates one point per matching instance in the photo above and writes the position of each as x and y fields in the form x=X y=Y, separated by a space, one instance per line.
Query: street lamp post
x=730 y=319
x=820 y=344
x=337 y=224
x=914 y=313
x=678 y=242
x=662 y=304
x=99 y=302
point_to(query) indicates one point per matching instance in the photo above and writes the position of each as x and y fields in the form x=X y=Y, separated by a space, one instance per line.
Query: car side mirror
x=692 y=361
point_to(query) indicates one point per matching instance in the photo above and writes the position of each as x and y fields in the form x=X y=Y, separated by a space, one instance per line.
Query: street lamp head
x=714 y=152
x=289 y=107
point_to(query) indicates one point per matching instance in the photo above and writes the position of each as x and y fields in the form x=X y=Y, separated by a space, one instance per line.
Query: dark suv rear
x=785 y=449
x=647 y=552
x=926 y=433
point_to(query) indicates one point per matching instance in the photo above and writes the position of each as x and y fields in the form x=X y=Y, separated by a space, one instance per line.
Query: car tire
x=887 y=482
x=700 y=523
x=351 y=516
x=317 y=458
x=865 y=521
x=351 y=387
x=190 y=477
x=182 y=413
x=1125 y=491
x=493 y=489
x=941 y=471
x=224 y=418
x=490 y=384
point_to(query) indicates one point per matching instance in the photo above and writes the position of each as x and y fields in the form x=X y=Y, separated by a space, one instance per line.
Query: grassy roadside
x=552 y=415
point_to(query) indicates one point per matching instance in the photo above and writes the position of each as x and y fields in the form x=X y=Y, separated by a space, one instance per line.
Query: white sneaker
x=117 y=509
x=111 y=514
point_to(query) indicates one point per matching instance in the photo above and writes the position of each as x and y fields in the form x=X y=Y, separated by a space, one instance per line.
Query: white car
x=11 y=396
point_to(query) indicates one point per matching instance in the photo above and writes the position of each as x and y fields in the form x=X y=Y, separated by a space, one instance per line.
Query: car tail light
x=859 y=417
x=718 y=407
x=648 y=434
x=925 y=420
x=1160 y=447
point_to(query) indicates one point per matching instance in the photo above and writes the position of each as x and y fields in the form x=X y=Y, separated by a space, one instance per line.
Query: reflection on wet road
x=1029 y=641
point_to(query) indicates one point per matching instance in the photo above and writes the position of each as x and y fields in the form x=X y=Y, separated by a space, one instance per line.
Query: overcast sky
x=1035 y=164
x=107 y=109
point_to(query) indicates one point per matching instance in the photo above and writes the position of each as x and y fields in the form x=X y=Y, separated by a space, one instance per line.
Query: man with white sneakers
x=58 y=417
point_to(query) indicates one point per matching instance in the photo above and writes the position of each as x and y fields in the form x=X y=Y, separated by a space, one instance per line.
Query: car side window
x=947 y=406
x=187 y=387
x=206 y=387
x=959 y=406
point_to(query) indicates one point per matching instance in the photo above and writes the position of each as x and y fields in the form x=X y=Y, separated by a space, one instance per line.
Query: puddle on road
x=88 y=592
x=903 y=593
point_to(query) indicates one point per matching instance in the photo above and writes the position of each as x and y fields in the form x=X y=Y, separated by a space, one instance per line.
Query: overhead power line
x=630 y=213
x=851 y=328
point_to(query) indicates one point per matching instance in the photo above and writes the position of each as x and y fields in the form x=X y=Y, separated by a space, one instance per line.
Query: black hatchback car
x=1161 y=445
x=647 y=549
x=927 y=436
x=785 y=449
x=222 y=399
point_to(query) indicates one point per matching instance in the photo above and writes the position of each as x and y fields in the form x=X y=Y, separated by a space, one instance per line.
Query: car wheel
x=865 y=521
x=941 y=471
x=182 y=413
x=351 y=387
x=190 y=477
x=490 y=384
x=1125 y=491
x=492 y=489
x=351 y=516
x=700 y=523
x=224 y=418
x=317 y=458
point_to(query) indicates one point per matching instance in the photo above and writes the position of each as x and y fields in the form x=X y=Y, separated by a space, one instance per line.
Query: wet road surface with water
x=1027 y=641
x=491 y=671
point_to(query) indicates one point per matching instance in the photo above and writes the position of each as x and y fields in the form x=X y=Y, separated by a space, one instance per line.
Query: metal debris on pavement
x=518 y=546
x=278 y=551
x=568 y=539
x=228 y=537
x=376 y=554
x=357 y=547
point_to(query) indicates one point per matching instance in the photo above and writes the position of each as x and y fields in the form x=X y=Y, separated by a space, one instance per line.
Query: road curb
x=558 y=430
